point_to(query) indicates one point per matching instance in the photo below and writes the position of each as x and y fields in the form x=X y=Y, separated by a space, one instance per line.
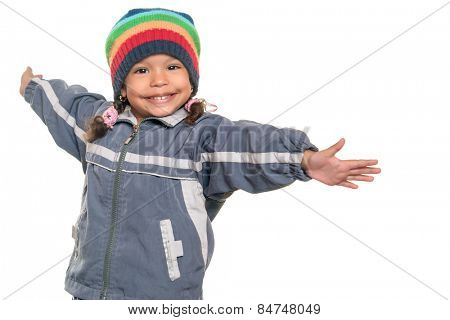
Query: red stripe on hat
x=148 y=36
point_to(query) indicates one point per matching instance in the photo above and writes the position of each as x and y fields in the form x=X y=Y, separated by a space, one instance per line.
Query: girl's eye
x=174 y=67
x=138 y=69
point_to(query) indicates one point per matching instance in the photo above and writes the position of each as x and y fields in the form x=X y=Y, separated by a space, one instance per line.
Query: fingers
x=360 y=163
x=348 y=184
x=29 y=72
x=361 y=178
x=364 y=171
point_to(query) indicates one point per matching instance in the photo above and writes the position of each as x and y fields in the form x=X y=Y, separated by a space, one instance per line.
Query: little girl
x=158 y=166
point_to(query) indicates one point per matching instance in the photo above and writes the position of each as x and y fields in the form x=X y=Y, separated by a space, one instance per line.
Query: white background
x=257 y=60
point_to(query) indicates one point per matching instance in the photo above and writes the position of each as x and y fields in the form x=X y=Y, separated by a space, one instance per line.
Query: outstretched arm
x=323 y=166
x=247 y=155
x=63 y=109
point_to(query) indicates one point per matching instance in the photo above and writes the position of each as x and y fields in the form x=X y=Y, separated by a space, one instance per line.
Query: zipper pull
x=136 y=128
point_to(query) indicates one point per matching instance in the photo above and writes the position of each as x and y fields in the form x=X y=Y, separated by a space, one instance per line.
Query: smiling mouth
x=161 y=98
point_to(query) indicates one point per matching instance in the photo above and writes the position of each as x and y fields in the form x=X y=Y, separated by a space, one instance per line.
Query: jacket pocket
x=172 y=248
x=81 y=219
x=76 y=232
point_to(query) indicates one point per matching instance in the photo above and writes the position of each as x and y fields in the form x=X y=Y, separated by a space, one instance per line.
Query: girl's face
x=157 y=86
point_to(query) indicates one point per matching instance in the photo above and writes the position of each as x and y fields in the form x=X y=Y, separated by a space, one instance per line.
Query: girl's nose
x=158 y=79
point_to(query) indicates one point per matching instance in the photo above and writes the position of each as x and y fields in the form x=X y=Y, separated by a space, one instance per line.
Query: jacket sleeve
x=250 y=156
x=64 y=110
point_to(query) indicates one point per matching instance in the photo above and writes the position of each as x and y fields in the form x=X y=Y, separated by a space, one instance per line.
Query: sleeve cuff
x=304 y=144
x=302 y=175
x=29 y=90
x=298 y=173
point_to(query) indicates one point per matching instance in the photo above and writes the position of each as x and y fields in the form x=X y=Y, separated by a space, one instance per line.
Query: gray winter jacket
x=144 y=231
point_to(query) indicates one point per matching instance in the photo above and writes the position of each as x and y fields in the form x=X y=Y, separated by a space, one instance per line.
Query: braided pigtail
x=196 y=111
x=195 y=108
x=96 y=126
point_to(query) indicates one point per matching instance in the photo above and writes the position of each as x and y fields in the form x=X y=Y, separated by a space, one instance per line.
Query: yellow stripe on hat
x=144 y=27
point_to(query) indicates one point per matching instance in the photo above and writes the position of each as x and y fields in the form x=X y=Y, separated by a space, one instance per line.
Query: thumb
x=331 y=151
x=28 y=72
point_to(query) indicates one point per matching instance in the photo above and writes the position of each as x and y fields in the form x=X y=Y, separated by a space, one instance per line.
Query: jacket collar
x=170 y=120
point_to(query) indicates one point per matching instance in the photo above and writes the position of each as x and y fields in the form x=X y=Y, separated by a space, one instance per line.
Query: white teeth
x=160 y=98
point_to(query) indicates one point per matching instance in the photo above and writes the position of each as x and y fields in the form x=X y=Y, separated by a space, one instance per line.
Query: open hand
x=26 y=77
x=323 y=166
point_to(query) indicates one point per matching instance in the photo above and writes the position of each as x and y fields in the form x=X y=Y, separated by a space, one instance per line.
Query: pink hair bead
x=187 y=106
x=110 y=116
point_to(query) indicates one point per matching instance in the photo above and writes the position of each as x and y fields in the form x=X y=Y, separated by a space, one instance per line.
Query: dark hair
x=96 y=128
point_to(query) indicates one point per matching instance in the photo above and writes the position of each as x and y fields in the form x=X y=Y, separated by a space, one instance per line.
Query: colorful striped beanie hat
x=143 y=32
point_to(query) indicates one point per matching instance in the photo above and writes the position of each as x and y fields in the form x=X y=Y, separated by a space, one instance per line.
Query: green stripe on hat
x=151 y=17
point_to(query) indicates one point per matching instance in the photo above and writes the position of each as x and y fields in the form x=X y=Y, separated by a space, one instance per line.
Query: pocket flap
x=74 y=232
x=176 y=249
x=172 y=248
